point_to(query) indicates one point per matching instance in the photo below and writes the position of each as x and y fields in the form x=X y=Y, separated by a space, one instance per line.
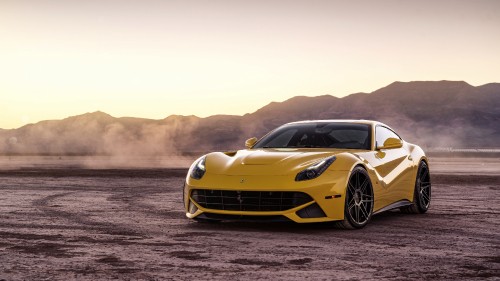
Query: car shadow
x=379 y=220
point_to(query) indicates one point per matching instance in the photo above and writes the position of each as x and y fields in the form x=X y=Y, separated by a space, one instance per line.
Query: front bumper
x=327 y=194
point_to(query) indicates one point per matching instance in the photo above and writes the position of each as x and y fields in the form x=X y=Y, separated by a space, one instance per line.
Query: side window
x=382 y=133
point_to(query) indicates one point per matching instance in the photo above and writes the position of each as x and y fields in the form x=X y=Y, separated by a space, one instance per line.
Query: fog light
x=311 y=211
x=192 y=207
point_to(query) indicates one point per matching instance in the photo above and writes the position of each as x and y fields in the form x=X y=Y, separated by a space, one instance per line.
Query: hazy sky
x=156 y=58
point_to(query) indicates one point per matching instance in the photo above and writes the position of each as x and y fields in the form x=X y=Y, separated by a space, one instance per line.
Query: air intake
x=311 y=211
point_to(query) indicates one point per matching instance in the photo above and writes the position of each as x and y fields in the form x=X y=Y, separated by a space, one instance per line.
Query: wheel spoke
x=351 y=203
x=351 y=189
x=425 y=197
x=426 y=192
x=425 y=186
x=368 y=208
x=350 y=207
x=364 y=185
x=425 y=189
x=365 y=212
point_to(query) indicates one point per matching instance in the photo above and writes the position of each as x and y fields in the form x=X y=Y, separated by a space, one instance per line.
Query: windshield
x=319 y=135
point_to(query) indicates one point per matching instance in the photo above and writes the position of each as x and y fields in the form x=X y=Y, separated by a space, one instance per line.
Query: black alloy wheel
x=422 y=193
x=359 y=200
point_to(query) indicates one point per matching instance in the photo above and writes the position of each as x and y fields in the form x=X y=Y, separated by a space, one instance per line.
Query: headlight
x=315 y=170
x=199 y=169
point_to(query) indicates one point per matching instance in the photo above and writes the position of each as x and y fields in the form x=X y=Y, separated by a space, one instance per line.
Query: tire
x=421 y=193
x=358 y=208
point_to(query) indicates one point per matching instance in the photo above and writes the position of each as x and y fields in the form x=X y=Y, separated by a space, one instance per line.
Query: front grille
x=263 y=201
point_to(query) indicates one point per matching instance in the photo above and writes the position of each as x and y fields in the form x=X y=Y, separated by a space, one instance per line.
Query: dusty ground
x=63 y=224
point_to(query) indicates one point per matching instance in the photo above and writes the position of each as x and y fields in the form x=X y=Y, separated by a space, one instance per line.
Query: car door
x=392 y=165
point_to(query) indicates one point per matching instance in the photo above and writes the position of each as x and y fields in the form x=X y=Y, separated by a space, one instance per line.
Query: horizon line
x=241 y=115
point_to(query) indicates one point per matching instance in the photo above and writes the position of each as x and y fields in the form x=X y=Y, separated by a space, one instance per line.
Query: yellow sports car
x=311 y=171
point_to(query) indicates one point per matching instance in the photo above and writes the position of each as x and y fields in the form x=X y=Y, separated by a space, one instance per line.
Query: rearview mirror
x=249 y=143
x=391 y=143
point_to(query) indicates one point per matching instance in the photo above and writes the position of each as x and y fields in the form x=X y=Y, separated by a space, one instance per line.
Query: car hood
x=278 y=161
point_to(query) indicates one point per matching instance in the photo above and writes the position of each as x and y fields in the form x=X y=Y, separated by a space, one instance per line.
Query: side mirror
x=249 y=143
x=391 y=143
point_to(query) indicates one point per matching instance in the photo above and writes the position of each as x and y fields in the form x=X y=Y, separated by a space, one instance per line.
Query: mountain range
x=429 y=113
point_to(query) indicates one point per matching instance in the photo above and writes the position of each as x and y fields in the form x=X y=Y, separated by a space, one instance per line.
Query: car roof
x=354 y=121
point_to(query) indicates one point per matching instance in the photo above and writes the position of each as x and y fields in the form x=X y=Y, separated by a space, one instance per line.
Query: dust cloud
x=98 y=140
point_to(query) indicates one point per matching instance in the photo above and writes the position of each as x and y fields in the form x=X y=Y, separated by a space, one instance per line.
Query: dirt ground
x=82 y=224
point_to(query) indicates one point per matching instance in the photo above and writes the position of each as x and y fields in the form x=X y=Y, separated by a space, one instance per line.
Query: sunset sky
x=156 y=58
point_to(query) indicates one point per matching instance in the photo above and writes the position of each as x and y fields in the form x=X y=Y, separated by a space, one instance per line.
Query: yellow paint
x=392 y=172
